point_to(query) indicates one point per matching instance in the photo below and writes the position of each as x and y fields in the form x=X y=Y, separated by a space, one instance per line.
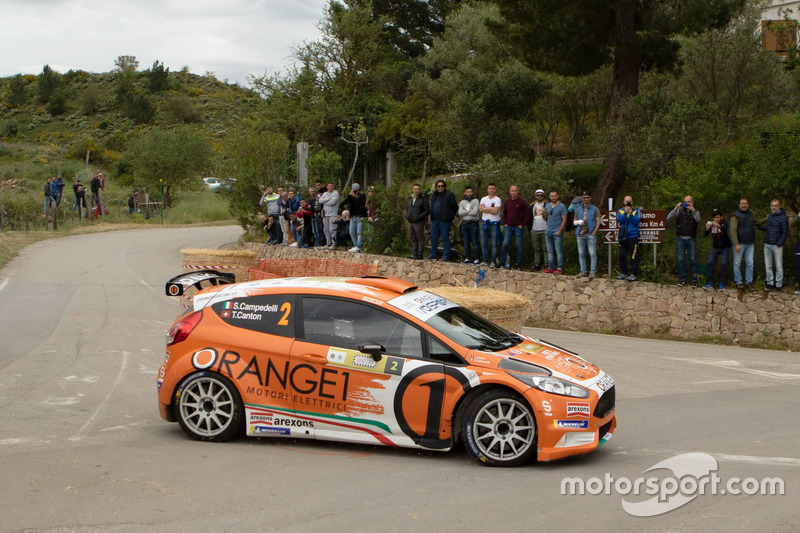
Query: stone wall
x=606 y=305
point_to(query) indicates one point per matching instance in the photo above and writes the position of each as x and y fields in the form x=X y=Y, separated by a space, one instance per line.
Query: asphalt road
x=82 y=447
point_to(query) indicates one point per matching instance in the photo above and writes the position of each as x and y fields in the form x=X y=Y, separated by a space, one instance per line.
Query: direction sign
x=651 y=224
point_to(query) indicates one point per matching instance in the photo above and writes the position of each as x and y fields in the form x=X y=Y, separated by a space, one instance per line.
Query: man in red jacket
x=515 y=218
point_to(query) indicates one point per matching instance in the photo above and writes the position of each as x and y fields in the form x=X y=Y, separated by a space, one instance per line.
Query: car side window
x=439 y=352
x=348 y=324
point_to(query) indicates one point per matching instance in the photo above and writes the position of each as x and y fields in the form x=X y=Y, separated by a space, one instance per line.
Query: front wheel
x=208 y=407
x=500 y=428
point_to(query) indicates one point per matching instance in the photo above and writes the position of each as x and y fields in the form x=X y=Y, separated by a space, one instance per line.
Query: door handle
x=314 y=358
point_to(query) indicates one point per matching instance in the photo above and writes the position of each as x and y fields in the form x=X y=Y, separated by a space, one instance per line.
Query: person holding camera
x=687 y=219
x=628 y=219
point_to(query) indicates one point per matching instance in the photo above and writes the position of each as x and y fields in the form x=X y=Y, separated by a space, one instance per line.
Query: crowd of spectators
x=491 y=228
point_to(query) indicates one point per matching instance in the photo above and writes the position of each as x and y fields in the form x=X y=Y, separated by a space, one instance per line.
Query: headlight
x=552 y=385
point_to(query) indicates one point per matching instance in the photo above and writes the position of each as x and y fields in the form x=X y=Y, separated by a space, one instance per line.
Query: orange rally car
x=373 y=360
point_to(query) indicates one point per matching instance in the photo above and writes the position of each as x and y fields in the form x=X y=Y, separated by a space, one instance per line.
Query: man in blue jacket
x=628 y=218
x=443 y=210
x=777 y=227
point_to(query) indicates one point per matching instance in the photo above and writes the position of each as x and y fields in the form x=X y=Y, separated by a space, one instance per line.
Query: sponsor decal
x=433 y=380
x=605 y=383
x=325 y=387
x=571 y=424
x=242 y=310
x=422 y=305
x=357 y=360
x=364 y=361
x=578 y=410
x=550 y=354
x=576 y=363
x=547 y=408
x=479 y=360
x=266 y=313
x=262 y=430
x=204 y=358
x=372 y=300
x=292 y=422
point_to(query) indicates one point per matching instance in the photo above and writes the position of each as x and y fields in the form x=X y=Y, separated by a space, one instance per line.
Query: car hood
x=558 y=360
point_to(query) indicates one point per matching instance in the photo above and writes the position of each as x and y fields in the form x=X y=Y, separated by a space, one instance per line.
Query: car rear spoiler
x=178 y=285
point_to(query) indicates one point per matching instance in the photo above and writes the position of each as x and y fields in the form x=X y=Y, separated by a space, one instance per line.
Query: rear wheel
x=500 y=428
x=208 y=407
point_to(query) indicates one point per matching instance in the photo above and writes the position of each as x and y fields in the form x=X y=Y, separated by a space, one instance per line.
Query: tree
x=411 y=25
x=660 y=128
x=126 y=63
x=580 y=36
x=355 y=134
x=775 y=159
x=57 y=103
x=48 y=82
x=350 y=72
x=760 y=166
x=254 y=154
x=729 y=69
x=140 y=109
x=324 y=166
x=90 y=99
x=576 y=100
x=175 y=158
x=158 y=77
x=17 y=87
x=179 y=107
x=479 y=99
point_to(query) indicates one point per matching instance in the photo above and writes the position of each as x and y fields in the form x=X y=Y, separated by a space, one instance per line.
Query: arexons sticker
x=578 y=410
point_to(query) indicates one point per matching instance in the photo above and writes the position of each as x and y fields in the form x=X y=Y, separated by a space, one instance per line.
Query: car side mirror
x=373 y=350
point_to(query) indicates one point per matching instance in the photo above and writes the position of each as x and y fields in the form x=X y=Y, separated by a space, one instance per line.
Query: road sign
x=651 y=224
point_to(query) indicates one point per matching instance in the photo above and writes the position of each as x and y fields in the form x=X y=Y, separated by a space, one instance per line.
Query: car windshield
x=472 y=331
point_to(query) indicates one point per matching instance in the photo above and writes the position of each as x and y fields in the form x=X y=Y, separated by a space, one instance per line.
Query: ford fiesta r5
x=373 y=360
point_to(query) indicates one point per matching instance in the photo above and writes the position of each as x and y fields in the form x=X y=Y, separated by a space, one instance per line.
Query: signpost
x=651 y=224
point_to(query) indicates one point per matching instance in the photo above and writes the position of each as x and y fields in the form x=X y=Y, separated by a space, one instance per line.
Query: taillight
x=180 y=331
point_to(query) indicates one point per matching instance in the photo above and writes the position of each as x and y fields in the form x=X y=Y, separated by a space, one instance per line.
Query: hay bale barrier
x=237 y=262
x=269 y=268
x=505 y=309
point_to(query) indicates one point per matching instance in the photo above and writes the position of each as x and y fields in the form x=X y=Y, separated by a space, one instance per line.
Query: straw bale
x=506 y=309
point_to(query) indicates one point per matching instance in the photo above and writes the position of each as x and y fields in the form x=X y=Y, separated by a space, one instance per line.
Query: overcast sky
x=231 y=38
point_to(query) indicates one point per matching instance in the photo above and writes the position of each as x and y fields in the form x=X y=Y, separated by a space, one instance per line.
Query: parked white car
x=212 y=183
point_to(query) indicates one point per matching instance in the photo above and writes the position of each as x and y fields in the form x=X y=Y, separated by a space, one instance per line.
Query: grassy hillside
x=42 y=133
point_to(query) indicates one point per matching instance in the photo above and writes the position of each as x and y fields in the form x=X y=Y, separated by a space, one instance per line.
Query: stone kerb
x=603 y=305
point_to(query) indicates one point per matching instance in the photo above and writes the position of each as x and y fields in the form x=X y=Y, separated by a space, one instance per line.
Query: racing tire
x=499 y=428
x=208 y=407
